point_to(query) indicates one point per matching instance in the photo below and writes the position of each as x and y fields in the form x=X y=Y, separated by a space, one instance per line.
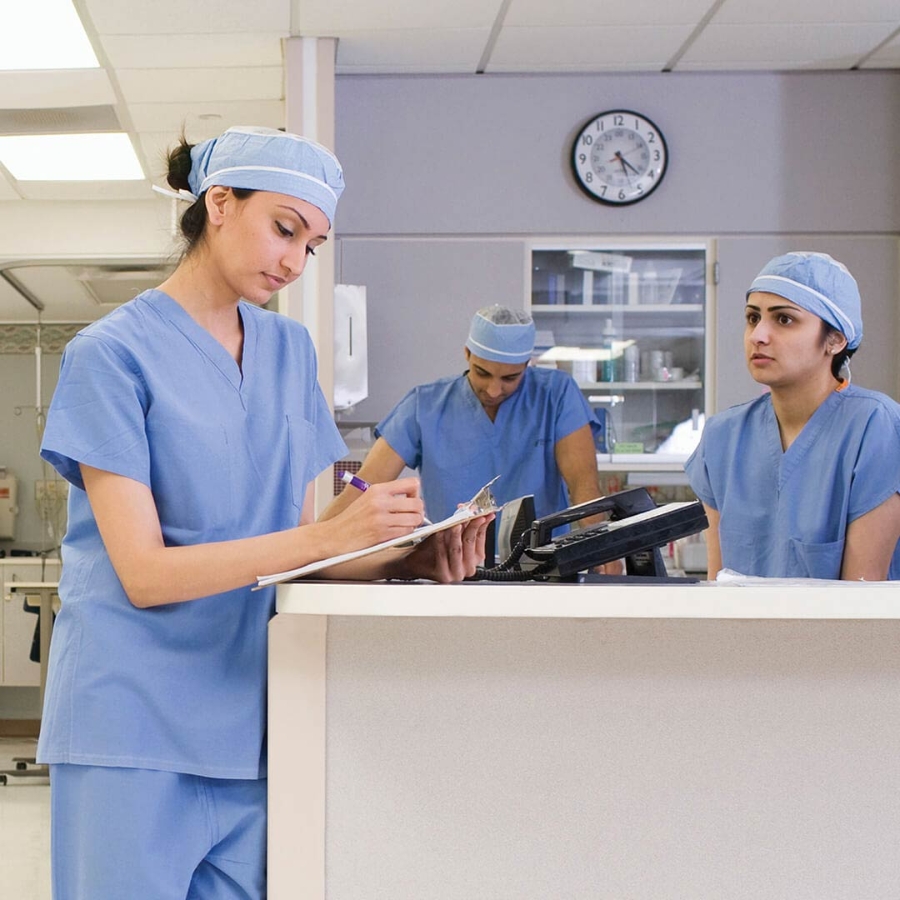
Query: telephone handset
x=619 y=505
x=635 y=530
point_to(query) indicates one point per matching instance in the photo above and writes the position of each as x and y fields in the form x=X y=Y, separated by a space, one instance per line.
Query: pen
x=358 y=483
x=361 y=485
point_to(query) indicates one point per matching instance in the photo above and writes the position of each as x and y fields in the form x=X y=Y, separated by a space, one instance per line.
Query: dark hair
x=193 y=220
x=838 y=360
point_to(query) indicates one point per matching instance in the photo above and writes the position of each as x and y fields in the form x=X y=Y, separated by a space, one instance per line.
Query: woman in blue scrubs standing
x=190 y=425
x=803 y=481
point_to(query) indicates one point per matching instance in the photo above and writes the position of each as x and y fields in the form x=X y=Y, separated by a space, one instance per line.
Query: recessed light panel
x=44 y=34
x=70 y=157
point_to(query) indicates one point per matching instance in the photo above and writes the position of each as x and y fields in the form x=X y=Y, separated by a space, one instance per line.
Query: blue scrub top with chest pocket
x=785 y=514
x=228 y=452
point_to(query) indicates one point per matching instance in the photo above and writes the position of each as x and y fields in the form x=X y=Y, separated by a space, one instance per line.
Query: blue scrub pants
x=120 y=833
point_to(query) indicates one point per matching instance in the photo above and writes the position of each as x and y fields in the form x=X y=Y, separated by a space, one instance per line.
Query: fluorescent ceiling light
x=44 y=34
x=70 y=157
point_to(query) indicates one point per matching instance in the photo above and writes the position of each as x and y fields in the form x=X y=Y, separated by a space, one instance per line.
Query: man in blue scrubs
x=529 y=425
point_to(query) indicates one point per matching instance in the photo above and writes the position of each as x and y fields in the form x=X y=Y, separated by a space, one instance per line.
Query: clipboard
x=481 y=504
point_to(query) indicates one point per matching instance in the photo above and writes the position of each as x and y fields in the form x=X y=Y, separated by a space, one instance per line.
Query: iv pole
x=51 y=492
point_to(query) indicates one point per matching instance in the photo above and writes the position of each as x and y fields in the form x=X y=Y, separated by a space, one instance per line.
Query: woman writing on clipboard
x=190 y=426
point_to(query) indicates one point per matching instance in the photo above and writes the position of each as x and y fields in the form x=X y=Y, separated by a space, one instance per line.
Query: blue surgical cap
x=265 y=159
x=501 y=335
x=819 y=284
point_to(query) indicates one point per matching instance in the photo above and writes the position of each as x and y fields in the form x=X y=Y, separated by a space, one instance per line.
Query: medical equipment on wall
x=351 y=356
x=50 y=491
x=8 y=507
x=635 y=530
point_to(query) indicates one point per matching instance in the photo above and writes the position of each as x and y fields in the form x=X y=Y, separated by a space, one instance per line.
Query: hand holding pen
x=376 y=512
x=362 y=485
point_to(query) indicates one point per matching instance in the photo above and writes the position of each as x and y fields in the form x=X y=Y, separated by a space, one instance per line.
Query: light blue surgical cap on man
x=818 y=283
x=502 y=335
x=265 y=159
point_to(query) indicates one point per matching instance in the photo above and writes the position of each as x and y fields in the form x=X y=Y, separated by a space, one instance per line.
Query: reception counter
x=528 y=741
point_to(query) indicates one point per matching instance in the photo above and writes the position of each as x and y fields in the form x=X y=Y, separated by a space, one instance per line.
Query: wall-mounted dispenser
x=351 y=355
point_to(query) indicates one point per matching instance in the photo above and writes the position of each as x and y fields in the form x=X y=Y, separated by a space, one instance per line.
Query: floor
x=24 y=828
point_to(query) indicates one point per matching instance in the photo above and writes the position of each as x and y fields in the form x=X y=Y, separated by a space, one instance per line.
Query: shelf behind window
x=624 y=308
x=610 y=386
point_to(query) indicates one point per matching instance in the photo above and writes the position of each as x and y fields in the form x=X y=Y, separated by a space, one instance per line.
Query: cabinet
x=631 y=322
x=16 y=625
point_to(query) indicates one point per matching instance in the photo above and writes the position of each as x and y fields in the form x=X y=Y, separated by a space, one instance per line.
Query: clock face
x=619 y=157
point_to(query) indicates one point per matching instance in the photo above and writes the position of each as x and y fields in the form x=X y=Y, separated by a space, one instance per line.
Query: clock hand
x=626 y=163
x=621 y=159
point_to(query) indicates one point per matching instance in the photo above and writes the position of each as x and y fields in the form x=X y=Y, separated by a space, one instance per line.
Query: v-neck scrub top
x=785 y=514
x=442 y=430
x=228 y=452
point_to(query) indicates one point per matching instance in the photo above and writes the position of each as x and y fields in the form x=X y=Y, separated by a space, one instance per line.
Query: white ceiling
x=206 y=64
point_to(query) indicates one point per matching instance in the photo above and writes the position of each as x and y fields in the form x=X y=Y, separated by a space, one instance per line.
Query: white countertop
x=822 y=600
x=27 y=560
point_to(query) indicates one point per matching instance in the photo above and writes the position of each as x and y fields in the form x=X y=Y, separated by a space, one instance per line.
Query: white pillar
x=309 y=110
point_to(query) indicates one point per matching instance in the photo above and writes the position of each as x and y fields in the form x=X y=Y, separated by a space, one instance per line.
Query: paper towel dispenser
x=351 y=356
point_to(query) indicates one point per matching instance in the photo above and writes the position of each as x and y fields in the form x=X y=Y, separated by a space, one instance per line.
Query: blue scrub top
x=785 y=514
x=442 y=430
x=228 y=452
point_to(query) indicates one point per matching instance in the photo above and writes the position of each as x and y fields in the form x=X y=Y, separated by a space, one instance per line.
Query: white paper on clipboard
x=461 y=515
x=481 y=504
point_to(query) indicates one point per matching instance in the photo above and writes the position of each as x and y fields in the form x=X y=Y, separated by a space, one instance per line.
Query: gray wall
x=749 y=153
x=421 y=295
x=478 y=165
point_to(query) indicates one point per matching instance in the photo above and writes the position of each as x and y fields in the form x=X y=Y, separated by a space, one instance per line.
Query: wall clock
x=619 y=157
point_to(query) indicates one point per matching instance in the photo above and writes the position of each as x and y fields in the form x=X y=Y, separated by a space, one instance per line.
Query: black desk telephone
x=635 y=530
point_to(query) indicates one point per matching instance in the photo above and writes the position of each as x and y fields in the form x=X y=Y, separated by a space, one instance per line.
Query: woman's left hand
x=450 y=555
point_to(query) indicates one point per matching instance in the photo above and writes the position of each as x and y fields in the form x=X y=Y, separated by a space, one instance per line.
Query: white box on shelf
x=587 y=286
x=634 y=288
x=602 y=262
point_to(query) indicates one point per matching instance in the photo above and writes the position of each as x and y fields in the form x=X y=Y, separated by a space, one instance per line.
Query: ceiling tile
x=447 y=50
x=888 y=57
x=59 y=290
x=584 y=14
x=13 y=306
x=85 y=190
x=327 y=18
x=799 y=11
x=783 y=46
x=61 y=294
x=7 y=189
x=172 y=85
x=201 y=17
x=59 y=120
x=192 y=51
x=587 y=49
x=53 y=88
x=87 y=289
x=171 y=117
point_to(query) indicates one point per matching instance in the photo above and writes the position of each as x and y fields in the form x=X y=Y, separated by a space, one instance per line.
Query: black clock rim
x=587 y=191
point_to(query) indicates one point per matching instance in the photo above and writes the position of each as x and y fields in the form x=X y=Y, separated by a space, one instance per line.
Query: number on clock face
x=619 y=157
